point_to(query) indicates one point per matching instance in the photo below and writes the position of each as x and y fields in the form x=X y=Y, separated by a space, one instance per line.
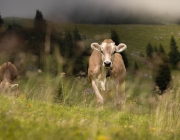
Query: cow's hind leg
x=120 y=94
x=97 y=92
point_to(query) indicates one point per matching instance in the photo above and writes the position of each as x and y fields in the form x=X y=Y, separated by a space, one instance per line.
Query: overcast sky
x=60 y=9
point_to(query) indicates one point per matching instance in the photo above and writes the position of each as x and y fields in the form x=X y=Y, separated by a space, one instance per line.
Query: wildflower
x=153 y=129
x=29 y=105
x=102 y=137
x=22 y=96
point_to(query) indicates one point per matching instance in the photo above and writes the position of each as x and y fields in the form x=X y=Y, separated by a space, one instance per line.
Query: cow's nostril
x=107 y=63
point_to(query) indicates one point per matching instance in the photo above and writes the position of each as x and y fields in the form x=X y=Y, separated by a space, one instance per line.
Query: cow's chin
x=110 y=67
x=107 y=67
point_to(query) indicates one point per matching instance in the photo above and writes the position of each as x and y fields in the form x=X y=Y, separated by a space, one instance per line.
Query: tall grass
x=65 y=108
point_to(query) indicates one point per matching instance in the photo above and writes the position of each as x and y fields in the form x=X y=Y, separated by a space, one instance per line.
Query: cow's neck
x=106 y=72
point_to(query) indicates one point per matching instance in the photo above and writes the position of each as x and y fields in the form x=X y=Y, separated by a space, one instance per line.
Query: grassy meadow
x=64 y=108
x=43 y=112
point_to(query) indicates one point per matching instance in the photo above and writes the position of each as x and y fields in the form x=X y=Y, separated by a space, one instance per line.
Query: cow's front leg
x=96 y=90
x=103 y=85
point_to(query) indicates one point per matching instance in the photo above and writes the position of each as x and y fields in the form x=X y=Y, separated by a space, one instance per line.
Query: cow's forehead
x=107 y=46
x=108 y=40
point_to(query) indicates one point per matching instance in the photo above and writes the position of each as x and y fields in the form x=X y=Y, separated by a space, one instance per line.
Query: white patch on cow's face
x=107 y=50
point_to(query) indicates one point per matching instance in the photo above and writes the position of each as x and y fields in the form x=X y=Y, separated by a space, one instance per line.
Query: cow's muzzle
x=107 y=64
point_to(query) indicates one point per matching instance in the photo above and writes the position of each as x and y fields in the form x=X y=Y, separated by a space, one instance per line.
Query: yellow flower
x=102 y=137
x=22 y=96
x=153 y=129
x=29 y=105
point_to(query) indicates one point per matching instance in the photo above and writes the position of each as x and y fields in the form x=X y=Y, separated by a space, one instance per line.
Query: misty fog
x=92 y=11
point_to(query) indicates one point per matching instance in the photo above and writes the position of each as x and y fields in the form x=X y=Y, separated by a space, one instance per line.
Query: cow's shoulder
x=95 y=63
x=118 y=65
x=95 y=58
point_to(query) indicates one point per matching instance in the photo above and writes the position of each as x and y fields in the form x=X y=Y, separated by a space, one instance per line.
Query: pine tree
x=163 y=75
x=161 y=49
x=68 y=45
x=149 y=50
x=39 y=22
x=76 y=35
x=1 y=21
x=78 y=57
x=141 y=54
x=162 y=54
x=155 y=49
x=115 y=38
x=174 y=54
x=38 y=35
x=136 y=68
x=163 y=78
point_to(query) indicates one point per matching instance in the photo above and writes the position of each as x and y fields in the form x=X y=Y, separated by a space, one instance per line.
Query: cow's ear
x=121 y=47
x=95 y=46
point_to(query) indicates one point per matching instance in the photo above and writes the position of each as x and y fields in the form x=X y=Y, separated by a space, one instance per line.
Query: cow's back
x=9 y=71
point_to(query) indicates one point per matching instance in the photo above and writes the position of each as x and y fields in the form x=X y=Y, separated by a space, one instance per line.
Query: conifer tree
x=141 y=54
x=38 y=37
x=155 y=49
x=163 y=78
x=163 y=75
x=78 y=58
x=115 y=38
x=174 y=54
x=67 y=52
x=149 y=50
x=76 y=35
x=68 y=45
x=161 y=49
x=162 y=54
x=136 y=68
x=1 y=21
x=39 y=22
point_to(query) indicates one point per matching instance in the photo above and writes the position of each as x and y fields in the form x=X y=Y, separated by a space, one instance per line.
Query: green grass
x=39 y=114
x=136 y=37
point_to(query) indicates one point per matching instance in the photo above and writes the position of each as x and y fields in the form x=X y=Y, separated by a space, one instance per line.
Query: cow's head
x=7 y=86
x=108 y=49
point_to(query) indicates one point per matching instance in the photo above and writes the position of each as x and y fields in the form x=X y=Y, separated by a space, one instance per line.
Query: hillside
x=136 y=36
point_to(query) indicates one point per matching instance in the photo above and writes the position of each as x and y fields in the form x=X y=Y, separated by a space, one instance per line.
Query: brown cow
x=106 y=61
x=8 y=73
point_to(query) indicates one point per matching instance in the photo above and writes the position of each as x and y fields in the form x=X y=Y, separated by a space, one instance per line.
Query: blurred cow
x=105 y=61
x=8 y=73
